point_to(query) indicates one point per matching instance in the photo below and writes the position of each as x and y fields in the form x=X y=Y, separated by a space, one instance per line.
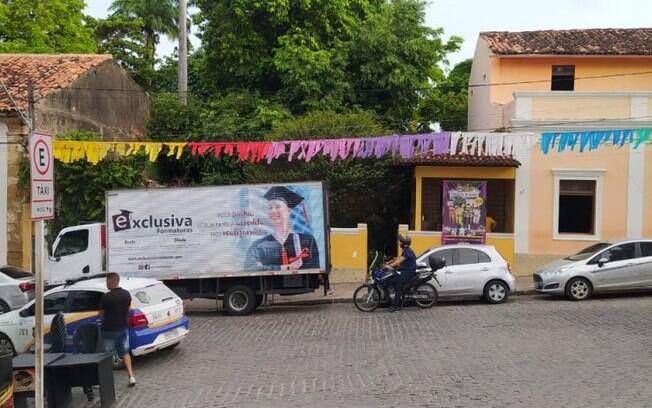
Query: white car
x=471 y=271
x=156 y=319
x=16 y=288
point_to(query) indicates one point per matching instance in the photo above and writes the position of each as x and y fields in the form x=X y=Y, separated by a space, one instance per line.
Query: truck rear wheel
x=239 y=300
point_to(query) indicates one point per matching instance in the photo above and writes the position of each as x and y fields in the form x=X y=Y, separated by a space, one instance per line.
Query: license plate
x=170 y=335
x=166 y=314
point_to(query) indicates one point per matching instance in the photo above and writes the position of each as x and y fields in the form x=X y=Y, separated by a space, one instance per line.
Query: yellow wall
x=465 y=172
x=615 y=162
x=557 y=107
x=349 y=247
x=525 y=69
x=453 y=173
x=422 y=240
x=28 y=232
x=647 y=198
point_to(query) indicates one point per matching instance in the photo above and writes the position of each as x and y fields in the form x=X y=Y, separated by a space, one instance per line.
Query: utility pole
x=37 y=267
x=183 y=53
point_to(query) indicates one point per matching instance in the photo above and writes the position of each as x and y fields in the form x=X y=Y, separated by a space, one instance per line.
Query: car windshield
x=588 y=252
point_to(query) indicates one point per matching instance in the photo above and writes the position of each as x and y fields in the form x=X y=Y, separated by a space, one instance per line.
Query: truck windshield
x=588 y=252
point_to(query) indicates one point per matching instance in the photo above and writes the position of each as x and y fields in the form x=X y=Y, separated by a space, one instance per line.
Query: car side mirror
x=602 y=261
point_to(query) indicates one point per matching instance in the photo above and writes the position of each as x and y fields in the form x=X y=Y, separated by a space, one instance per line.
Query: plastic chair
x=57 y=334
x=87 y=340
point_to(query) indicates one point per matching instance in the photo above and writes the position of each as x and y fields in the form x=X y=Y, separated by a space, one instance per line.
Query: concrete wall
x=105 y=100
x=483 y=114
x=13 y=199
x=4 y=155
x=490 y=107
x=535 y=73
x=348 y=254
x=647 y=203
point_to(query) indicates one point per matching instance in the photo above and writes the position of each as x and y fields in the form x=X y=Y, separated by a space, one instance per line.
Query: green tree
x=328 y=124
x=123 y=38
x=165 y=78
x=391 y=54
x=327 y=55
x=170 y=120
x=241 y=116
x=54 y=26
x=447 y=102
x=159 y=17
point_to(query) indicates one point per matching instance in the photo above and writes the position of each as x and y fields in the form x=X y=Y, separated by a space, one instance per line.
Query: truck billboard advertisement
x=225 y=230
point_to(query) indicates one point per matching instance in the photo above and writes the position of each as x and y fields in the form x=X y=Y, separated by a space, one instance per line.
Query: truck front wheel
x=239 y=300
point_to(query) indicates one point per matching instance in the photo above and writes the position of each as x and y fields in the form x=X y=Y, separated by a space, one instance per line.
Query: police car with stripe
x=156 y=320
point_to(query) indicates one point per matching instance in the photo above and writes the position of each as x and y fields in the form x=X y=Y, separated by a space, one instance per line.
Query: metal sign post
x=42 y=208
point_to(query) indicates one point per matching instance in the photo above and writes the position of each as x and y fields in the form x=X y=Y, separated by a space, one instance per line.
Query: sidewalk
x=343 y=293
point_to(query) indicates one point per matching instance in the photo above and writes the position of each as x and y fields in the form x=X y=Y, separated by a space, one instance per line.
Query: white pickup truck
x=236 y=243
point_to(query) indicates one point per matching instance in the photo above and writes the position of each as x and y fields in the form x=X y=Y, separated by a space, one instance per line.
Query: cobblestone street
x=531 y=352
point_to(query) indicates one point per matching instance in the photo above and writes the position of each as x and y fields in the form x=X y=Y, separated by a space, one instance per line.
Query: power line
x=372 y=90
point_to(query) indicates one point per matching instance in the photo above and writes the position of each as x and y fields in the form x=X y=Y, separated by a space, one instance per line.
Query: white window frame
x=596 y=175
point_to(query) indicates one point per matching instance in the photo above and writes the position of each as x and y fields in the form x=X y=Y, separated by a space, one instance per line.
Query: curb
x=326 y=300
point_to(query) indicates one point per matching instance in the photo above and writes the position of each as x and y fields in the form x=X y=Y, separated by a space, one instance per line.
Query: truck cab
x=77 y=251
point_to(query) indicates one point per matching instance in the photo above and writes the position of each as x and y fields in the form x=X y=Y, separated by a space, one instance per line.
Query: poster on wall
x=464 y=212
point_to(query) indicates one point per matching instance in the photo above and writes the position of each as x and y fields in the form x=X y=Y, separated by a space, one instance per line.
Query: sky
x=467 y=18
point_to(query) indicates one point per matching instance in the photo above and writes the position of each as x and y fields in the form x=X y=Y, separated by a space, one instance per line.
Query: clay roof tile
x=594 y=41
x=48 y=72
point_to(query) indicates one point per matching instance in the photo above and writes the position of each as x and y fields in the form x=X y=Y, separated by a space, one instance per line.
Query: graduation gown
x=267 y=254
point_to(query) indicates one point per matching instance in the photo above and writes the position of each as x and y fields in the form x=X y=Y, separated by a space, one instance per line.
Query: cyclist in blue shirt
x=407 y=266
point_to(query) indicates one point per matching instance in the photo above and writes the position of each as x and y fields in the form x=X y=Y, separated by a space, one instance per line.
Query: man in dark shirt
x=114 y=312
x=407 y=264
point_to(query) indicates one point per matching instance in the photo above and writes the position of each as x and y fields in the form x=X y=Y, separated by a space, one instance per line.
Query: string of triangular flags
x=403 y=146
x=594 y=139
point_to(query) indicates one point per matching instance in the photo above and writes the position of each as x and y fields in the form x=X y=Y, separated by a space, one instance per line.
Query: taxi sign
x=42 y=176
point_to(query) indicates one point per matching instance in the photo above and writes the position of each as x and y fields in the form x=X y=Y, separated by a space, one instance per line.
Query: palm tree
x=158 y=17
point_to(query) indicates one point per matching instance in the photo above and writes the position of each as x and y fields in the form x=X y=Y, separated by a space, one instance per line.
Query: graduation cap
x=289 y=197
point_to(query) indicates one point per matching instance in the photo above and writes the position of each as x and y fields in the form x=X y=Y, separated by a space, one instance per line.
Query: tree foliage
x=36 y=26
x=123 y=38
x=447 y=103
x=159 y=17
x=328 y=124
x=81 y=187
x=333 y=55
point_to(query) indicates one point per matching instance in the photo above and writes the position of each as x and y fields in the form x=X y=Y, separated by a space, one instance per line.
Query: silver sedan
x=602 y=267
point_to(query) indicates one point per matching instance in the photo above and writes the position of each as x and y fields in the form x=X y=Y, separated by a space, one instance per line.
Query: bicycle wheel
x=366 y=298
x=425 y=295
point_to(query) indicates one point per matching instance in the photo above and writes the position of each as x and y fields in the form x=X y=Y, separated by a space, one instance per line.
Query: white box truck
x=237 y=243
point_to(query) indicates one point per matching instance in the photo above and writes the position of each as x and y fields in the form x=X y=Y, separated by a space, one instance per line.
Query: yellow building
x=476 y=164
x=577 y=81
